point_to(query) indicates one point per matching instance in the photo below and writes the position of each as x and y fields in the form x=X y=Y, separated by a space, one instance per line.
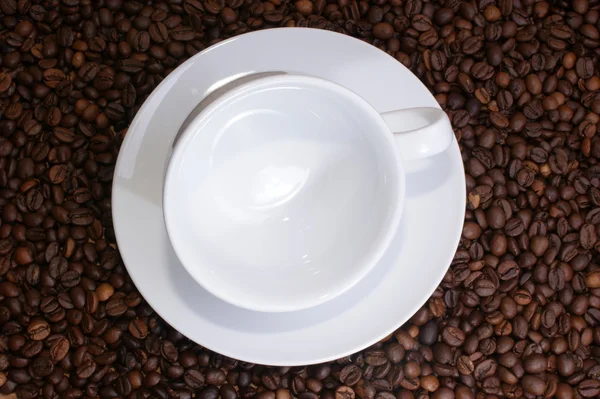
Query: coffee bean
x=428 y=38
x=183 y=33
x=453 y=336
x=91 y=302
x=70 y=279
x=81 y=217
x=5 y=82
x=465 y=365
x=104 y=291
x=344 y=392
x=128 y=95
x=59 y=349
x=383 y=30
x=375 y=358
x=484 y=287
x=88 y=71
x=499 y=120
x=138 y=329
x=350 y=375
x=38 y=330
x=115 y=307
x=429 y=333
x=535 y=364
x=114 y=111
x=141 y=41
x=42 y=367
x=86 y=369
x=472 y=45
x=158 y=32
x=193 y=378
x=589 y=388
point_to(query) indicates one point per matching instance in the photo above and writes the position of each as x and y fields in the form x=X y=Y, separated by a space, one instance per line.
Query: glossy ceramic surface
x=283 y=193
x=408 y=272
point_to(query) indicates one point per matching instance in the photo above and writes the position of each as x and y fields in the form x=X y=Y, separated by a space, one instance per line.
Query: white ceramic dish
x=409 y=271
x=286 y=190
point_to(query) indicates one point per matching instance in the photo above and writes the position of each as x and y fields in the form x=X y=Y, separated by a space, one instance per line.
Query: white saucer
x=398 y=286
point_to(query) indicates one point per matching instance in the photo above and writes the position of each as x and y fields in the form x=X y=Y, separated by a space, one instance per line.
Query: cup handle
x=419 y=132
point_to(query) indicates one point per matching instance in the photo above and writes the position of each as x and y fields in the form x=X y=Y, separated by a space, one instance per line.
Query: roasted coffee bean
x=57 y=267
x=453 y=336
x=59 y=348
x=38 y=330
x=42 y=367
x=81 y=217
x=193 y=378
x=465 y=365
x=116 y=307
x=138 y=329
x=589 y=388
x=70 y=279
x=350 y=375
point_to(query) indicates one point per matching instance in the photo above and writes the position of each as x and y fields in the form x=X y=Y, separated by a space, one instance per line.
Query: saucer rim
x=373 y=337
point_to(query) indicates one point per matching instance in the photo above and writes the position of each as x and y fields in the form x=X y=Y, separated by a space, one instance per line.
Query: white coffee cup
x=283 y=191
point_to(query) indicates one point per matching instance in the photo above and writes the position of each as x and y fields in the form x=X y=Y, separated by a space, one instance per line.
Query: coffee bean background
x=518 y=313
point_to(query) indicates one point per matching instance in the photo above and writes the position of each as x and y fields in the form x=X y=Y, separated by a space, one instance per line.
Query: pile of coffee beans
x=516 y=316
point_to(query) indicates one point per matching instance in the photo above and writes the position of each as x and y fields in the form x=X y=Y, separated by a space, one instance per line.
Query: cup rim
x=187 y=135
